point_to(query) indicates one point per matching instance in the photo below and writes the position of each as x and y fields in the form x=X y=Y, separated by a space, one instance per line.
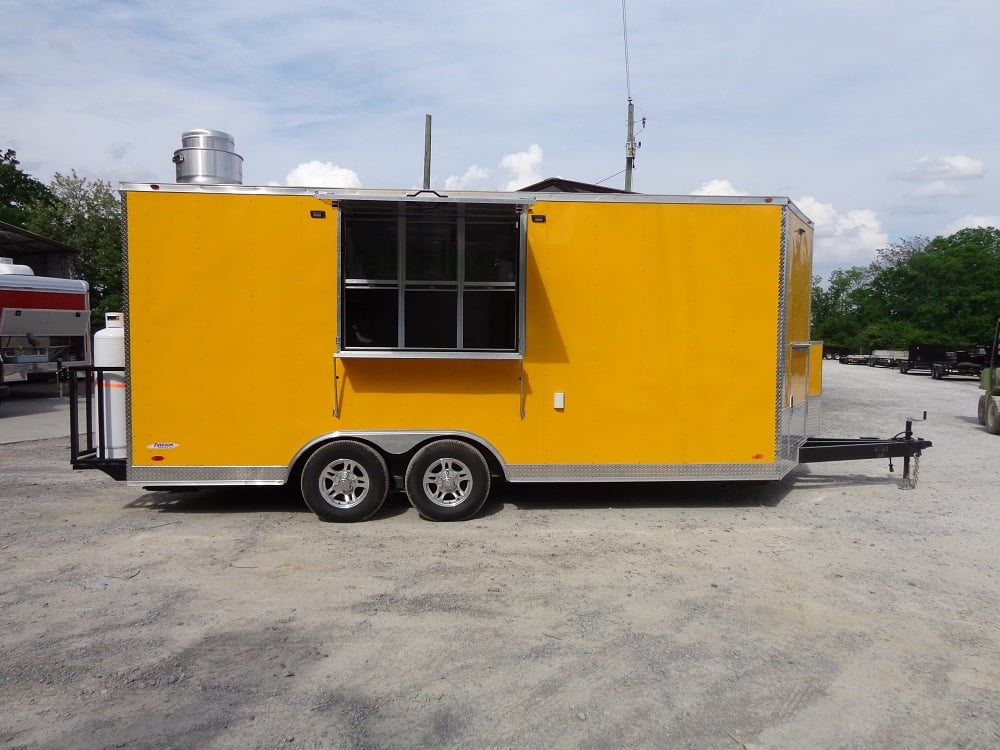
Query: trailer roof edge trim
x=480 y=196
x=708 y=200
x=177 y=187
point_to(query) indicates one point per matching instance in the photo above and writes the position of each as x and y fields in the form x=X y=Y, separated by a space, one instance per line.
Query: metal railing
x=88 y=442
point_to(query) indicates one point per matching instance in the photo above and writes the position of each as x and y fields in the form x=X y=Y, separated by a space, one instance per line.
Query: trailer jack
x=904 y=445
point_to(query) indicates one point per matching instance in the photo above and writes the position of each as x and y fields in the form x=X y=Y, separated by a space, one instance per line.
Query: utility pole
x=427 y=152
x=630 y=147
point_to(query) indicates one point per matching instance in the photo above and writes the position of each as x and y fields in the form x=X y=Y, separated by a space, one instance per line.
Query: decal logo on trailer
x=162 y=446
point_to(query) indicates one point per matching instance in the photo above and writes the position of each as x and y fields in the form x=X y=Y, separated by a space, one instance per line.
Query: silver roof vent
x=208 y=157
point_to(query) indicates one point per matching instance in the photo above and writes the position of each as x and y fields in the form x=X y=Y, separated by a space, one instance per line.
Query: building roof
x=44 y=256
x=17 y=241
x=560 y=185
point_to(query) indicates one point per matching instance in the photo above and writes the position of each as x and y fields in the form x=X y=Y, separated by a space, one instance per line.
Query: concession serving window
x=431 y=278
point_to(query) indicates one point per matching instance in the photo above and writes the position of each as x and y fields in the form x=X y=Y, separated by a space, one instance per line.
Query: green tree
x=18 y=190
x=840 y=311
x=951 y=290
x=86 y=214
x=886 y=334
x=945 y=290
x=898 y=253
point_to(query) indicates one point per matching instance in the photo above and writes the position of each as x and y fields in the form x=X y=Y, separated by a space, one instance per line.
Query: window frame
x=402 y=286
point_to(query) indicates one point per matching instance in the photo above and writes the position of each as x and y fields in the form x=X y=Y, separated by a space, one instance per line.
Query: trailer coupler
x=904 y=445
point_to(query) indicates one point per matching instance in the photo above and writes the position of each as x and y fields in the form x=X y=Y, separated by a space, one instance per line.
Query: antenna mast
x=427 y=152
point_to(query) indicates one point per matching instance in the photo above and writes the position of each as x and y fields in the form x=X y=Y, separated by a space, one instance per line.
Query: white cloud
x=842 y=240
x=956 y=167
x=937 y=189
x=322 y=174
x=717 y=187
x=474 y=177
x=525 y=166
x=971 y=222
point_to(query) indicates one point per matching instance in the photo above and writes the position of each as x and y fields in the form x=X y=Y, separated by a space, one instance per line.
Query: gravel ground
x=830 y=610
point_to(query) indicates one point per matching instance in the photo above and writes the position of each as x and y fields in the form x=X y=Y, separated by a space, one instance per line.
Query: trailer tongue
x=904 y=445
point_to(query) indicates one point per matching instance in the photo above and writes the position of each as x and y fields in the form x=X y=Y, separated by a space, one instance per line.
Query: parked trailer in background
x=443 y=342
x=44 y=325
x=962 y=362
x=855 y=359
x=835 y=352
x=941 y=360
x=921 y=357
x=886 y=358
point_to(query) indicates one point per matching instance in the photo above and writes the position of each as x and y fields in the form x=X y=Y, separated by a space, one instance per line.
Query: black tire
x=903 y=367
x=447 y=480
x=981 y=411
x=345 y=481
x=993 y=415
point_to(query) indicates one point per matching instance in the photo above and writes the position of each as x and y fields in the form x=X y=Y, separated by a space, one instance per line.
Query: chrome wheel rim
x=447 y=482
x=344 y=483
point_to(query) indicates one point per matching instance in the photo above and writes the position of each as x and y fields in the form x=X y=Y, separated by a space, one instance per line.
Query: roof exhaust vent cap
x=208 y=157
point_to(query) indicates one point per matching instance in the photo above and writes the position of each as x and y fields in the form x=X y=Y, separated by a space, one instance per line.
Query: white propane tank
x=109 y=351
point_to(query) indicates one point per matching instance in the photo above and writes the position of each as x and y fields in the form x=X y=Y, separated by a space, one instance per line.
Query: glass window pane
x=490 y=320
x=431 y=243
x=491 y=248
x=371 y=318
x=370 y=246
x=431 y=319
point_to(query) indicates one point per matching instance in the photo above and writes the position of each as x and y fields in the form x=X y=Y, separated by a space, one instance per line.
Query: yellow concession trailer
x=359 y=341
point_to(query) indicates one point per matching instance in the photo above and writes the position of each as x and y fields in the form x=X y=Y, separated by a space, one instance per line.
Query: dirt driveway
x=831 y=610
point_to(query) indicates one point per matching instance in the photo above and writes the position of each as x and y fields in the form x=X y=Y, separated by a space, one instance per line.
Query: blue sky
x=878 y=119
